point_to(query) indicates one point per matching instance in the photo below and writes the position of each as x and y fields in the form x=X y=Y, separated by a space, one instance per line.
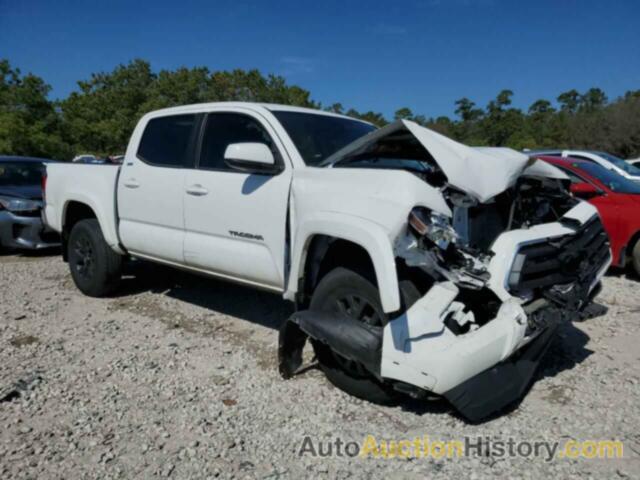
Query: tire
x=635 y=258
x=335 y=288
x=95 y=268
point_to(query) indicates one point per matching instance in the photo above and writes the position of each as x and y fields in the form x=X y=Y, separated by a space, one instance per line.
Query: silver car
x=21 y=225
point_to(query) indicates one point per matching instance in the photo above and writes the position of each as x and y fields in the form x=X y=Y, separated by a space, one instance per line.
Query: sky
x=370 y=55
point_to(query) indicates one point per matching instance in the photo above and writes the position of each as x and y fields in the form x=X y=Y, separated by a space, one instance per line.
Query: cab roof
x=256 y=106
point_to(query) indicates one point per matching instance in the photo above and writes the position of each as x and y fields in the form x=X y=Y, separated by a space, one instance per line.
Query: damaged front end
x=504 y=267
x=478 y=353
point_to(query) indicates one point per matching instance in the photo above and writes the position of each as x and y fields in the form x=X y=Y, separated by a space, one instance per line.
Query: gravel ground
x=176 y=377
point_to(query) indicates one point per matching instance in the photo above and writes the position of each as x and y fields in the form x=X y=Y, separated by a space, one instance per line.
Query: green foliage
x=371 y=117
x=99 y=117
x=29 y=123
x=583 y=121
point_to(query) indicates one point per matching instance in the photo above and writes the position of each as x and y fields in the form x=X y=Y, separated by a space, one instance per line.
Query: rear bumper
x=27 y=233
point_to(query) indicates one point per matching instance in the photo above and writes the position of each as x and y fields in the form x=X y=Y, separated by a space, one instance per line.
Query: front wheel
x=95 y=268
x=344 y=291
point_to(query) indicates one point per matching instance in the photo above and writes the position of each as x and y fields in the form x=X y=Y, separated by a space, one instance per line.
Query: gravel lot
x=176 y=377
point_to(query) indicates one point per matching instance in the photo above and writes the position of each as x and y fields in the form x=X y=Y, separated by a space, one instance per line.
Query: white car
x=610 y=162
x=85 y=158
x=418 y=265
x=634 y=161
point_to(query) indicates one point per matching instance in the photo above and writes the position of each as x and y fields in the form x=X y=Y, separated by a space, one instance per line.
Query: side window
x=584 y=158
x=222 y=129
x=165 y=141
x=572 y=176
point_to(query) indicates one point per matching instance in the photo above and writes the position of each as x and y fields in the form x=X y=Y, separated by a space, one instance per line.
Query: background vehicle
x=634 y=161
x=85 y=158
x=617 y=200
x=418 y=264
x=608 y=161
x=21 y=204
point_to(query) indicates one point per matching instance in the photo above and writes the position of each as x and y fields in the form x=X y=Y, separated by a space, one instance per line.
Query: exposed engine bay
x=458 y=249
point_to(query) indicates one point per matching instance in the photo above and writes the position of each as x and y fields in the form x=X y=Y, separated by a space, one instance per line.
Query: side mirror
x=584 y=190
x=251 y=157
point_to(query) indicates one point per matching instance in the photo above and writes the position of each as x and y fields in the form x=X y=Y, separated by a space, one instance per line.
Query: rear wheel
x=344 y=291
x=95 y=267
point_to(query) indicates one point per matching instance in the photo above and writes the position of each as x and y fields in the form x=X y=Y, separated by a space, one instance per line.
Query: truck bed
x=92 y=185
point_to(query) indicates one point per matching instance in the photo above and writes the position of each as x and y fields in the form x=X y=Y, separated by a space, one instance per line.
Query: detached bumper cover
x=499 y=386
x=350 y=338
x=25 y=232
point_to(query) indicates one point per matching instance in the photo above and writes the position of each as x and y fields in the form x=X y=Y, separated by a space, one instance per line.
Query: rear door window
x=166 y=141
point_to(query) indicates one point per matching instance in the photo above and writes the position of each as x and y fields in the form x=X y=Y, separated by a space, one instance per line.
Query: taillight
x=44 y=184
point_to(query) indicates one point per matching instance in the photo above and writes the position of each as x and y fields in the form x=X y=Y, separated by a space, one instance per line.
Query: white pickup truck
x=419 y=266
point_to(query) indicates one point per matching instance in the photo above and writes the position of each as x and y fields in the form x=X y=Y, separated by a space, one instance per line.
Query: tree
x=29 y=123
x=100 y=117
x=101 y=114
x=372 y=117
x=178 y=87
x=466 y=110
x=406 y=114
x=592 y=99
x=499 y=123
x=569 y=101
x=335 y=108
x=403 y=114
x=541 y=107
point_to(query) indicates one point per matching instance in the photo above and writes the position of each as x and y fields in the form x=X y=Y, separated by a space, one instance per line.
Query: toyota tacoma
x=419 y=266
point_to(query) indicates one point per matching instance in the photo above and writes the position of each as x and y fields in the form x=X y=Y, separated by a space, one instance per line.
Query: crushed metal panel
x=480 y=174
x=535 y=167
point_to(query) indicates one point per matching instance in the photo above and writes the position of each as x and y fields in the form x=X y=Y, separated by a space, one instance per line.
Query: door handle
x=197 y=190
x=131 y=183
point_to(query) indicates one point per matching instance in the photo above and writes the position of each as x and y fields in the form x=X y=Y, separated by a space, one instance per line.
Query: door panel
x=236 y=222
x=151 y=215
x=238 y=228
x=609 y=211
x=151 y=188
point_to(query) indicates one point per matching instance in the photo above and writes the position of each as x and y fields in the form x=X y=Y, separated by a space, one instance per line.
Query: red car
x=617 y=200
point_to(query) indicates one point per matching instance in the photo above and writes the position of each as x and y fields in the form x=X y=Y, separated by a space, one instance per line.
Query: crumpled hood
x=480 y=174
x=30 y=192
x=535 y=166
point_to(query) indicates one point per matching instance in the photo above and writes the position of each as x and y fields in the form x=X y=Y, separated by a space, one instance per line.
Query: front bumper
x=25 y=232
x=489 y=366
x=479 y=366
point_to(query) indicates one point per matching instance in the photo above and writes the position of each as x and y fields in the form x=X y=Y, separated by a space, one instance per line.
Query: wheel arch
x=327 y=240
x=76 y=210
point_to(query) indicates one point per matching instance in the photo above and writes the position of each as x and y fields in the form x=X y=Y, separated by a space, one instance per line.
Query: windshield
x=319 y=136
x=614 y=181
x=20 y=174
x=620 y=163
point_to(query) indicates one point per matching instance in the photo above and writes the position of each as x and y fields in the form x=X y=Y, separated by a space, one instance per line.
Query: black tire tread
x=368 y=388
x=108 y=262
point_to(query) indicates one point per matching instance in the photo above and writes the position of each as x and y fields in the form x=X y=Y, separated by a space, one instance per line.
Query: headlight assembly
x=17 y=205
x=433 y=226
